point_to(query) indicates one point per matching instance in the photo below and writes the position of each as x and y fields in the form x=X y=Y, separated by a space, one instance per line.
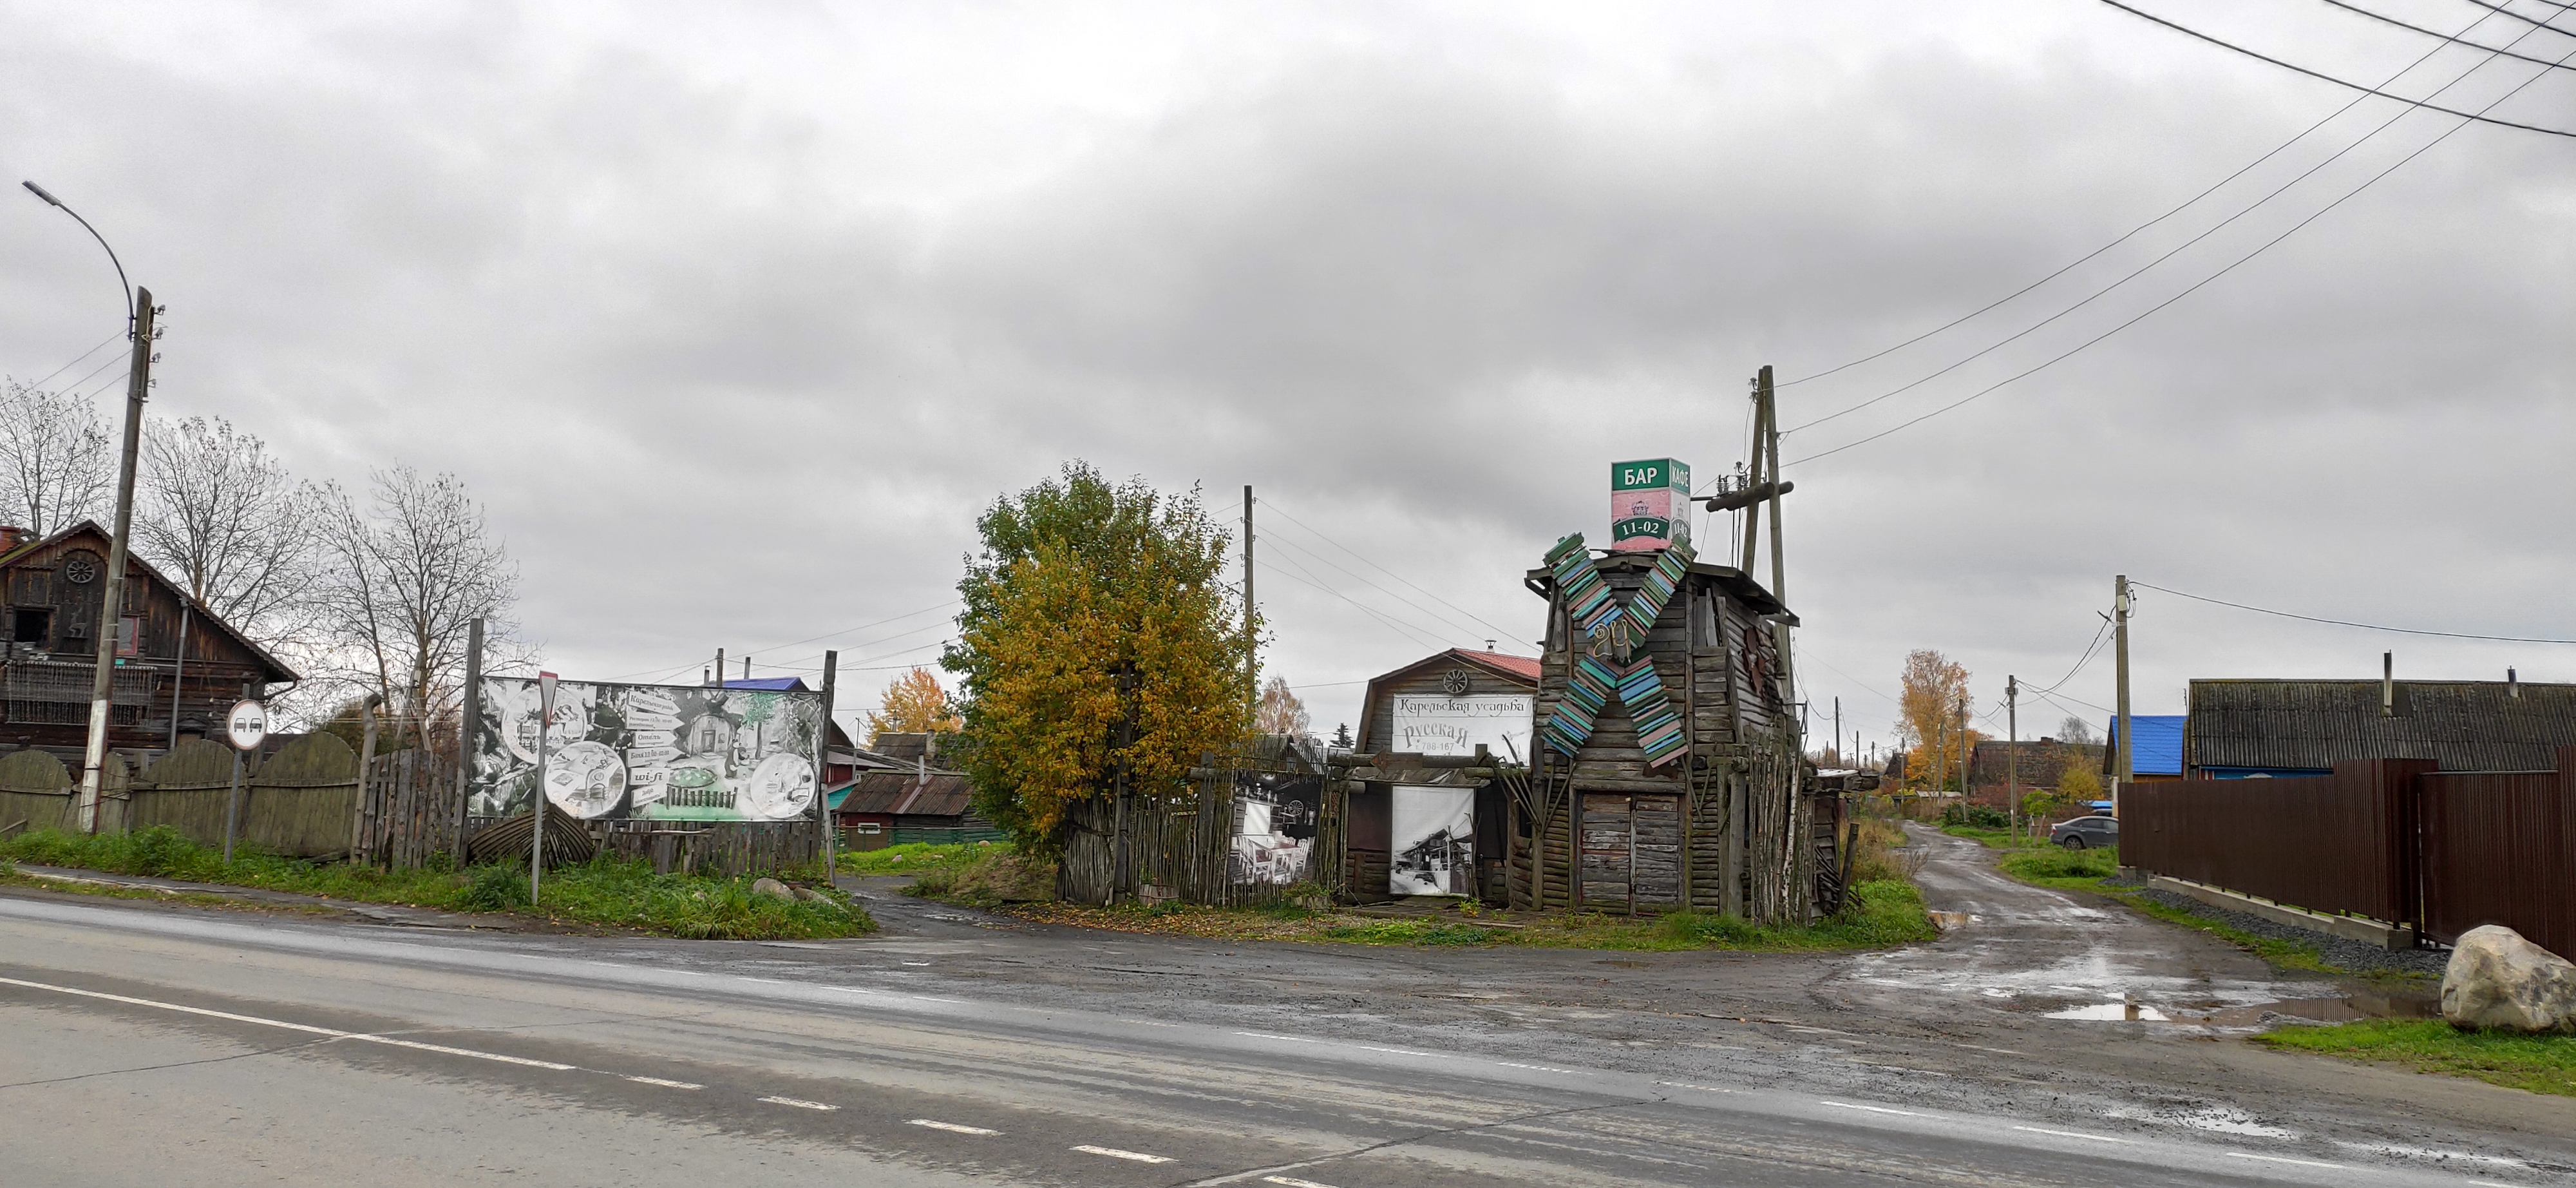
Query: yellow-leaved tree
x=1084 y=587
x=913 y=704
x=1935 y=691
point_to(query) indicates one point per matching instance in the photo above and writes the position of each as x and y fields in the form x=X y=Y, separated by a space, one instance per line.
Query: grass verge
x=2536 y=1063
x=913 y=858
x=606 y=892
x=1882 y=913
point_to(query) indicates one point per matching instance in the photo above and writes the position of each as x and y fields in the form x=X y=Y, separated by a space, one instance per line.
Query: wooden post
x=468 y=732
x=179 y=673
x=2122 y=769
x=823 y=766
x=2012 y=754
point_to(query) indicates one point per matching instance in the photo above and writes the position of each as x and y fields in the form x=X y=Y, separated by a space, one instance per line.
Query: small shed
x=1421 y=819
x=899 y=795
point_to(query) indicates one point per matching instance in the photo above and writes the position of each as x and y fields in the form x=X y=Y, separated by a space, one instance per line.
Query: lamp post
x=111 y=622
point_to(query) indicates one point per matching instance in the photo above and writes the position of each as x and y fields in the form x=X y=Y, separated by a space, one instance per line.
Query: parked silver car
x=2087 y=833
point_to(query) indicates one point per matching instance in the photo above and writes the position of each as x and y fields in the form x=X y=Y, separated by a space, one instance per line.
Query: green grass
x=2537 y=1063
x=1881 y=913
x=914 y=857
x=605 y=892
x=2000 y=839
x=2065 y=870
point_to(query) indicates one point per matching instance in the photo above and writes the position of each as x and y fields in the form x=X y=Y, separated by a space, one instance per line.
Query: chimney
x=12 y=536
x=2388 y=684
x=2512 y=686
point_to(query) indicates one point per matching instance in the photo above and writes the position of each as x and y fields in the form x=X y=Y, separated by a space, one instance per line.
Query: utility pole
x=720 y=672
x=2012 y=754
x=2121 y=769
x=823 y=768
x=111 y=621
x=1251 y=634
x=471 y=728
x=1967 y=750
x=1840 y=759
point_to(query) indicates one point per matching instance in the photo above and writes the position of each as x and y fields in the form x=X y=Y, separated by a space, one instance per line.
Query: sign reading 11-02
x=1649 y=504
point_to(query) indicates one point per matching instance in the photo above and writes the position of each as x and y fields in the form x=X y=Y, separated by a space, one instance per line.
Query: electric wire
x=2267 y=245
x=102 y=343
x=2126 y=236
x=1300 y=575
x=1283 y=514
x=2089 y=651
x=1363 y=580
x=2542 y=23
x=2265 y=610
x=2384 y=17
x=2479 y=115
x=2176 y=250
x=827 y=635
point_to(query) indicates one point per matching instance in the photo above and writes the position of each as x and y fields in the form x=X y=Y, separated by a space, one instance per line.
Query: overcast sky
x=736 y=316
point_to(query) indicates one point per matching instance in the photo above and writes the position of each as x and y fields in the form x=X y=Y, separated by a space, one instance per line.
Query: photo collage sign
x=653 y=752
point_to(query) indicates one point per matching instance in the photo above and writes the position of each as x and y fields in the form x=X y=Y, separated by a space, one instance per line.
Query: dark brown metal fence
x=2500 y=848
x=2338 y=843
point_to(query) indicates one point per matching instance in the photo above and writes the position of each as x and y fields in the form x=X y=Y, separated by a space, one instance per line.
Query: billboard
x=1275 y=814
x=1452 y=726
x=649 y=752
x=1434 y=841
x=1649 y=504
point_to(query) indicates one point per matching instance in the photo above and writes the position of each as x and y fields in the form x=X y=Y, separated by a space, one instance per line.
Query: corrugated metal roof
x=2158 y=750
x=944 y=794
x=2461 y=725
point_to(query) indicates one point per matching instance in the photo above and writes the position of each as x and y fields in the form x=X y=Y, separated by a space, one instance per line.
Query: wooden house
x=1420 y=727
x=1669 y=772
x=179 y=668
x=897 y=794
x=2239 y=729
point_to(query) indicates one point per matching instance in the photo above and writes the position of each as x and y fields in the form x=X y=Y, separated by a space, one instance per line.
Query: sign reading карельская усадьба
x=1434 y=725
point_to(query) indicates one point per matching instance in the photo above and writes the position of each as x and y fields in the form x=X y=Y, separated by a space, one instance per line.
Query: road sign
x=546 y=695
x=247 y=725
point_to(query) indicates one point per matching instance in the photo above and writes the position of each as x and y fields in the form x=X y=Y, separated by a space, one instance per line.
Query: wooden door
x=1655 y=861
x=1607 y=850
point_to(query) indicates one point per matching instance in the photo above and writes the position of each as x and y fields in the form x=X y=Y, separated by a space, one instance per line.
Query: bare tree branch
x=55 y=464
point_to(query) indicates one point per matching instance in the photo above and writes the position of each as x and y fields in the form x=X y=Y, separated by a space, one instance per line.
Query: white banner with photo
x=1434 y=841
x=1436 y=725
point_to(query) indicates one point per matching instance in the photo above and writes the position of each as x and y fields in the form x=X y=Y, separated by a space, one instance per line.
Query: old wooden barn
x=176 y=664
x=1425 y=815
x=1668 y=767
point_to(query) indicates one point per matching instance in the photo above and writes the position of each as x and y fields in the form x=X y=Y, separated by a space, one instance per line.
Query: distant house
x=898 y=794
x=2245 y=728
x=177 y=664
x=2036 y=763
x=2157 y=754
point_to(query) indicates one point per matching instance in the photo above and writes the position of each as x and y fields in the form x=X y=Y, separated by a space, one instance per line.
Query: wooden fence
x=408 y=812
x=1183 y=847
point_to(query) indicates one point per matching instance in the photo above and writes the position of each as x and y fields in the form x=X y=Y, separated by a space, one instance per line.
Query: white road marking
x=935 y=1124
x=1292 y=1182
x=665 y=1084
x=1701 y=1088
x=1115 y=1153
x=2099 y=1138
x=306 y=1028
x=1871 y=1108
x=799 y=1103
x=2278 y=1159
x=1294 y=1039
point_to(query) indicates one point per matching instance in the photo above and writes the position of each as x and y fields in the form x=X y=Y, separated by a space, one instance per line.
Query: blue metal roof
x=2158 y=750
x=772 y=684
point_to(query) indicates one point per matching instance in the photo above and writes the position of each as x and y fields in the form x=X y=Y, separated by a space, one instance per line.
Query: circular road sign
x=247 y=725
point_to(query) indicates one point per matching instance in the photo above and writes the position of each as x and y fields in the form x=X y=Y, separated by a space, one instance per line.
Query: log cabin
x=179 y=667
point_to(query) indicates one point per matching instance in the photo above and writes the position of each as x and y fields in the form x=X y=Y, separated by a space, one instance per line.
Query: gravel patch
x=2336 y=950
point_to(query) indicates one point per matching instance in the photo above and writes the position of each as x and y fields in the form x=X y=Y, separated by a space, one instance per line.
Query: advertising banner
x=1434 y=840
x=659 y=752
x=1649 y=504
x=1275 y=814
x=1436 y=725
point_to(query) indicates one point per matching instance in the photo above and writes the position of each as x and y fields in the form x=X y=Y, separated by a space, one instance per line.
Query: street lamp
x=111 y=621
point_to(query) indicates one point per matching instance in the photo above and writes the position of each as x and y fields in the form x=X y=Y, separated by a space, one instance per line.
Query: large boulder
x=2497 y=979
x=773 y=889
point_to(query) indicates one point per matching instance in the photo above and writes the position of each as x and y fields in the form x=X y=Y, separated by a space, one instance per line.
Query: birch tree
x=221 y=516
x=406 y=576
x=56 y=463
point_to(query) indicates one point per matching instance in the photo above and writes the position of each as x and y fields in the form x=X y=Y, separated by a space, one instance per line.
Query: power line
x=2196 y=286
x=2384 y=17
x=2501 y=9
x=102 y=343
x=1320 y=560
x=827 y=635
x=2132 y=232
x=2478 y=116
x=1504 y=633
x=2182 y=247
x=2089 y=651
x=2263 y=610
x=1299 y=575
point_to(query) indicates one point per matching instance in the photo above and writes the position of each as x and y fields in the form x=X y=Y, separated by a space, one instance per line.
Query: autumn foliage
x=913 y=704
x=1081 y=582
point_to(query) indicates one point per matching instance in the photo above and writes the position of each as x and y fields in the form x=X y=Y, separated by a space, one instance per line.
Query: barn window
x=34 y=624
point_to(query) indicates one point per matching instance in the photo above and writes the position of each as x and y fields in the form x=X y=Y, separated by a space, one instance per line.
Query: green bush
x=492 y=889
x=159 y=850
x=1976 y=816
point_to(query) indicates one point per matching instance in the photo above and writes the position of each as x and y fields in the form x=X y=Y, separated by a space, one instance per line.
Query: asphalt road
x=156 y=1046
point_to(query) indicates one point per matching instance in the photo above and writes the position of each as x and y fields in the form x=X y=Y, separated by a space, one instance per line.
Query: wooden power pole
x=1251 y=634
x=111 y=611
x=2122 y=769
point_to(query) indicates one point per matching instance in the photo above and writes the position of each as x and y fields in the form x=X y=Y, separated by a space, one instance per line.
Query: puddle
x=2218 y=1119
x=2115 y=1011
x=2348 y=1009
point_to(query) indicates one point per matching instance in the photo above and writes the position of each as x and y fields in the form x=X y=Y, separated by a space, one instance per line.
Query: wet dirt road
x=1933 y=1062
